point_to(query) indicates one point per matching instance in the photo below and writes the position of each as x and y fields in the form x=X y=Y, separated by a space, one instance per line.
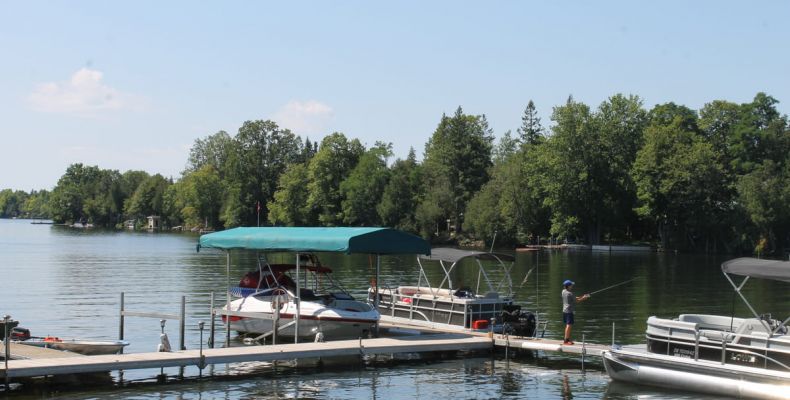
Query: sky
x=132 y=85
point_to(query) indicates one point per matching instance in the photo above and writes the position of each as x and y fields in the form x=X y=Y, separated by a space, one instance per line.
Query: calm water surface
x=67 y=282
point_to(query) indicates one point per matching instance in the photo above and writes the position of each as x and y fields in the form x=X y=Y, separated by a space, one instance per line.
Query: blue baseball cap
x=567 y=282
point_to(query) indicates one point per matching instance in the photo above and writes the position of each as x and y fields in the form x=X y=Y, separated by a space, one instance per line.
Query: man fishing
x=568 y=308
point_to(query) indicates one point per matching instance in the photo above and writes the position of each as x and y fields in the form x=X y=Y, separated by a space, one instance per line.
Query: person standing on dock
x=569 y=307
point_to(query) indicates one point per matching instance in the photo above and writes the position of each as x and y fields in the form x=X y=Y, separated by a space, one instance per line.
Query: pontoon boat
x=723 y=355
x=452 y=304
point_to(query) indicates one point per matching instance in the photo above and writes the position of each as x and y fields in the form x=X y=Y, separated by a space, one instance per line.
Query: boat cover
x=754 y=267
x=309 y=239
x=453 y=255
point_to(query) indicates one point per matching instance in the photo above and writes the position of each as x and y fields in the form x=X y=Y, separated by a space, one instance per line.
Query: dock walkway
x=513 y=342
x=106 y=363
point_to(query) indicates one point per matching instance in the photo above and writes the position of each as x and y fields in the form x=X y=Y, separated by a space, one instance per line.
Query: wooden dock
x=106 y=363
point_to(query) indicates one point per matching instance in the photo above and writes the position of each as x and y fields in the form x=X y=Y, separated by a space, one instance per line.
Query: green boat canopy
x=308 y=239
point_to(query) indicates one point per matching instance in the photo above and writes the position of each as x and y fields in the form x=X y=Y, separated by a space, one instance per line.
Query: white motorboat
x=453 y=305
x=267 y=297
x=85 y=347
x=723 y=355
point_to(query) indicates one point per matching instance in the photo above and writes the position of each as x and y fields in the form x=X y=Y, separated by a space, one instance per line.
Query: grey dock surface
x=105 y=363
x=514 y=342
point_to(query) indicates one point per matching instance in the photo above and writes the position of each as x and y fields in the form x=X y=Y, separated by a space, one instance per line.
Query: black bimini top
x=757 y=268
x=453 y=255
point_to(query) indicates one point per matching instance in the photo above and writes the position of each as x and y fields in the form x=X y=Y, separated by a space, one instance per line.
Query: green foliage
x=214 y=150
x=330 y=166
x=289 y=206
x=587 y=159
x=760 y=134
x=765 y=195
x=457 y=158
x=12 y=203
x=363 y=188
x=148 y=198
x=678 y=178
x=511 y=203
x=196 y=199
x=88 y=194
x=36 y=205
x=261 y=152
x=400 y=197
x=507 y=147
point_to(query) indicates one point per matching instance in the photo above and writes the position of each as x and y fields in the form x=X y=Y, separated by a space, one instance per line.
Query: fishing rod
x=613 y=286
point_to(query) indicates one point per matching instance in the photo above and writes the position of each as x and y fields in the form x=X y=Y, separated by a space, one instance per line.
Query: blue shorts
x=567 y=318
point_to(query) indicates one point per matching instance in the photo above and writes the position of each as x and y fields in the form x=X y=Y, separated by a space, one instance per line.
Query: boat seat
x=748 y=327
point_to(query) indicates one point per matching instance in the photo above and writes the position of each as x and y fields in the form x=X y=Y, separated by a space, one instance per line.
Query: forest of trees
x=712 y=180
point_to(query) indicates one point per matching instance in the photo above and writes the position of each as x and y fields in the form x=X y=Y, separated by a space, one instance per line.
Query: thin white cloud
x=83 y=95
x=305 y=117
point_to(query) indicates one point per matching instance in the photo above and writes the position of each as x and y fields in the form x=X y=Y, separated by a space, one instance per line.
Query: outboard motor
x=518 y=322
x=18 y=333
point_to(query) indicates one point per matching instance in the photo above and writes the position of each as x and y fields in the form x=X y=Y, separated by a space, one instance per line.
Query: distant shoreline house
x=154 y=222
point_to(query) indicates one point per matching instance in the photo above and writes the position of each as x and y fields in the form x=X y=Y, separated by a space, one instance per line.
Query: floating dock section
x=202 y=358
x=53 y=362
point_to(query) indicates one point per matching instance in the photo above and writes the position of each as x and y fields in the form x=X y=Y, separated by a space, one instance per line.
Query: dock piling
x=212 y=327
x=584 y=352
x=202 y=362
x=7 y=346
x=121 y=322
x=612 y=334
x=182 y=324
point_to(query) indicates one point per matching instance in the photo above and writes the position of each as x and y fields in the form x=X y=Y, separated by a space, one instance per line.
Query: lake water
x=67 y=282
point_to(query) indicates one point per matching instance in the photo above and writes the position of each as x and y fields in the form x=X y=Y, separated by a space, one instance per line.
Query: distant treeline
x=714 y=180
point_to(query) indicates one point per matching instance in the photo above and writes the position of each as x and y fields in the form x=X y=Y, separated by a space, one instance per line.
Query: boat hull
x=84 y=347
x=341 y=319
x=698 y=376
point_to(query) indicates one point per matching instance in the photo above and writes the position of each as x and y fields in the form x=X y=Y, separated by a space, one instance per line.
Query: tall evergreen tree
x=531 y=131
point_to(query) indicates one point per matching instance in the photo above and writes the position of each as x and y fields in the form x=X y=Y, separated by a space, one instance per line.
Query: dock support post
x=202 y=361
x=584 y=351
x=227 y=303
x=120 y=324
x=298 y=301
x=376 y=299
x=182 y=324
x=276 y=323
x=7 y=346
x=212 y=328
x=612 y=334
